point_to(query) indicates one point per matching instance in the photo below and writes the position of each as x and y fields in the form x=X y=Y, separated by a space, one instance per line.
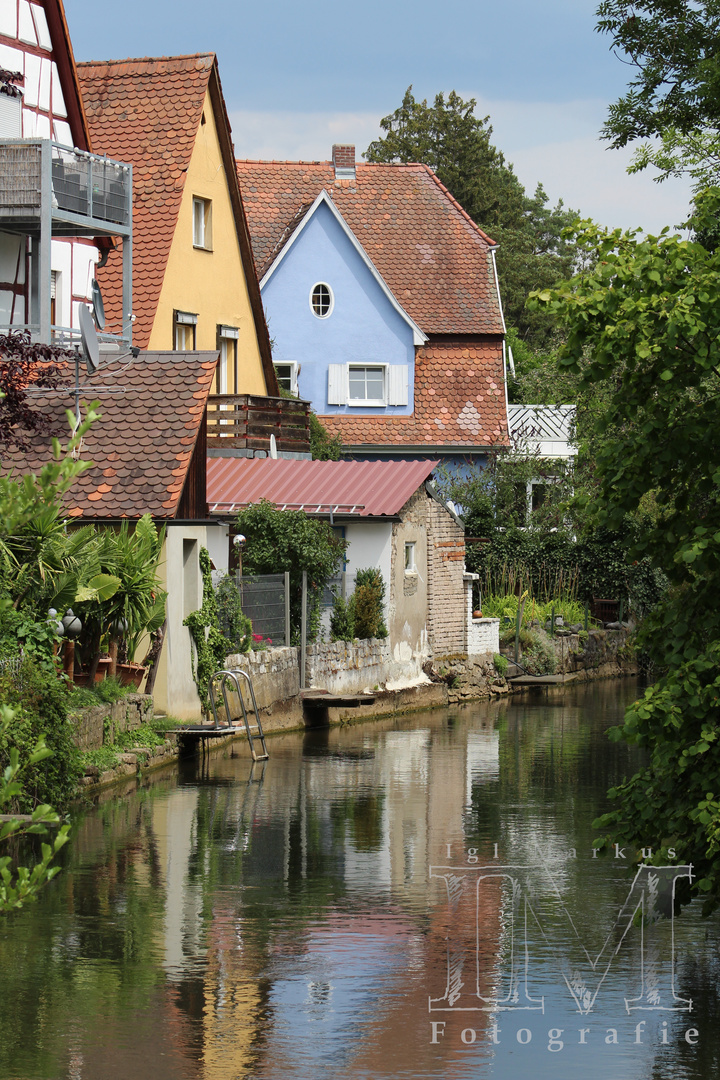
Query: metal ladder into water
x=222 y=677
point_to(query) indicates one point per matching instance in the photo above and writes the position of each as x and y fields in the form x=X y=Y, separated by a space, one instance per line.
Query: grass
x=101 y=693
x=151 y=735
x=506 y=607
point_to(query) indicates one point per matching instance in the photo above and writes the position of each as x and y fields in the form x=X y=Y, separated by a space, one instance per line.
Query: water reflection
x=294 y=922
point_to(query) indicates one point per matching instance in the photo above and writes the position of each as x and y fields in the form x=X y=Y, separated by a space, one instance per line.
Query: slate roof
x=434 y=258
x=147 y=112
x=348 y=488
x=459 y=402
x=142 y=446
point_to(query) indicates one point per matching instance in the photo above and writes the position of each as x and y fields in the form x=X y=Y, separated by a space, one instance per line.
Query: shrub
x=369 y=596
x=501 y=664
x=537 y=653
x=342 y=619
x=40 y=703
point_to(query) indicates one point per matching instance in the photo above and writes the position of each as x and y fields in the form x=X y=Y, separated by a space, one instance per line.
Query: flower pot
x=131 y=674
x=103 y=668
x=80 y=678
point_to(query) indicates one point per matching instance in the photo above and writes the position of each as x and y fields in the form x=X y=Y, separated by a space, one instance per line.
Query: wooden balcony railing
x=246 y=421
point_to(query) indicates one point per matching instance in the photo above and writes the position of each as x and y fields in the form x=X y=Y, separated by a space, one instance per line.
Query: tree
x=647 y=315
x=675 y=95
x=24 y=366
x=289 y=540
x=456 y=144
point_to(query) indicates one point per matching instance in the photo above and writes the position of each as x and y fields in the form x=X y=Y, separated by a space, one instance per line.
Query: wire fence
x=263 y=600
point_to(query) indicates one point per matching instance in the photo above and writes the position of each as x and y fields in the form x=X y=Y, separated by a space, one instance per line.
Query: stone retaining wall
x=98 y=724
x=344 y=667
x=600 y=654
x=275 y=673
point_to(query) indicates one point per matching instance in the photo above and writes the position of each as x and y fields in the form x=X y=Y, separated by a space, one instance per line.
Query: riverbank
x=144 y=746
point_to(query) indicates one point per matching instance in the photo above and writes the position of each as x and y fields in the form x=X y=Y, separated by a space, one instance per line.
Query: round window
x=321 y=300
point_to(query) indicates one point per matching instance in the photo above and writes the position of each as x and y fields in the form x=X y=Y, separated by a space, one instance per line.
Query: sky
x=297 y=79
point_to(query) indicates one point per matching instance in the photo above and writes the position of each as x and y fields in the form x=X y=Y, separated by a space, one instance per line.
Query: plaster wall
x=409 y=594
x=370 y=544
x=362 y=328
x=209 y=283
x=175 y=692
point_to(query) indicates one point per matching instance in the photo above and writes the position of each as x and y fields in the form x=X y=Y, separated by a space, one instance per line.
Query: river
x=413 y=898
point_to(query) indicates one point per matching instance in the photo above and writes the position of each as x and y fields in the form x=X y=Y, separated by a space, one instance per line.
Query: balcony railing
x=82 y=188
x=246 y=421
x=49 y=191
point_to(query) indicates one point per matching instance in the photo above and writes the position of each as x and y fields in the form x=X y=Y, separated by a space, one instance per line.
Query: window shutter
x=10 y=117
x=398 y=384
x=337 y=392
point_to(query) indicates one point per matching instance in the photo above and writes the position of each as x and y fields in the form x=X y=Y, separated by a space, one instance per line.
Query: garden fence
x=265 y=599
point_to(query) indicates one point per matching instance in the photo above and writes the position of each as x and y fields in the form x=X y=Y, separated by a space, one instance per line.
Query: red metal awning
x=345 y=488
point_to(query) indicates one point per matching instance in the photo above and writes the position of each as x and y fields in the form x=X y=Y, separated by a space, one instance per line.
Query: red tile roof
x=142 y=446
x=357 y=488
x=147 y=112
x=459 y=402
x=434 y=258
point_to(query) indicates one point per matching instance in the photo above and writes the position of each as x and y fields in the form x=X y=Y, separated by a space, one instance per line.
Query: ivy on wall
x=211 y=645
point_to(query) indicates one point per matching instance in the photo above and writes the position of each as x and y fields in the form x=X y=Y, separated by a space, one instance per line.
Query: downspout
x=502 y=317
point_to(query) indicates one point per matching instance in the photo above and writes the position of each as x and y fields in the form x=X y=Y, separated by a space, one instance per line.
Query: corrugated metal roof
x=362 y=488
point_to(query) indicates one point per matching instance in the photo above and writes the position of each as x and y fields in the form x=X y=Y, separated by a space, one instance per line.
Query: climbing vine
x=211 y=645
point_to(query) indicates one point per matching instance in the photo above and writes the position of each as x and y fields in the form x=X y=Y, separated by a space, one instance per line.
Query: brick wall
x=446 y=586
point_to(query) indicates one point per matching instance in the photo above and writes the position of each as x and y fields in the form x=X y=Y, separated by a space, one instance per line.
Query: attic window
x=321 y=300
x=202 y=223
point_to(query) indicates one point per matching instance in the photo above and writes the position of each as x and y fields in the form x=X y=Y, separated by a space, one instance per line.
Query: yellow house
x=194 y=280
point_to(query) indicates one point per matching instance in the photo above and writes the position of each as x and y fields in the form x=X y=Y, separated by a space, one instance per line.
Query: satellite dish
x=98 y=306
x=89 y=339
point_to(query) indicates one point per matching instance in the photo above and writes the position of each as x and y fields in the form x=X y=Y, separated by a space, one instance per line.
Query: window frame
x=331 y=306
x=202 y=223
x=184 y=320
x=368 y=402
x=410 y=570
x=226 y=336
x=293 y=365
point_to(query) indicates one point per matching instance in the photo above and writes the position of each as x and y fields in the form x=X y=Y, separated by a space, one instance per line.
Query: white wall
x=370 y=544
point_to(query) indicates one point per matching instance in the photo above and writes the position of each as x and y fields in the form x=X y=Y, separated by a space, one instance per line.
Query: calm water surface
x=326 y=916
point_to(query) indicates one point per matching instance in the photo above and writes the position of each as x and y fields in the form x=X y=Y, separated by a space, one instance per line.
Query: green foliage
x=369 y=599
x=674 y=47
x=128 y=556
x=109 y=689
x=21 y=884
x=553 y=564
x=342 y=619
x=506 y=607
x=674 y=97
x=288 y=540
x=533 y=252
x=361 y=615
x=211 y=646
x=647 y=315
x=501 y=664
x=537 y=653
x=39 y=701
x=323 y=446
x=235 y=626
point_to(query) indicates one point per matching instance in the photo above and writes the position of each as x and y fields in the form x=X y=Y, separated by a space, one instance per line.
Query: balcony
x=49 y=191
x=240 y=425
x=82 y=194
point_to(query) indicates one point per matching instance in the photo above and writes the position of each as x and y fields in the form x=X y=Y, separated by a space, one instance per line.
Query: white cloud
x=552 y=143
x=298 y=136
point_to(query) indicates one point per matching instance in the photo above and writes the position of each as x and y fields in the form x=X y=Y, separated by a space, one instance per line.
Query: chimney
x=343 y=158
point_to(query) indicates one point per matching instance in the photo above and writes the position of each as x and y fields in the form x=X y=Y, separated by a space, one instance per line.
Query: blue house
x=383 y=305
